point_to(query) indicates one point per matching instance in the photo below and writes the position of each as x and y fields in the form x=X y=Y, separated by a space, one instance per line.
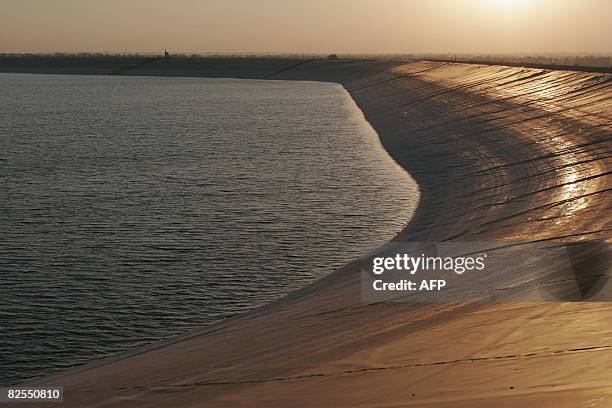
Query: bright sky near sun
x=307 y=26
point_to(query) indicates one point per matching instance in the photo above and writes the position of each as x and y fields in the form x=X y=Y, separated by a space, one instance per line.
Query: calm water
x=133 y=209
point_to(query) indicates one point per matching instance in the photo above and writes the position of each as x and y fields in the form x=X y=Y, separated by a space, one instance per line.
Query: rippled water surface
x=133 y=209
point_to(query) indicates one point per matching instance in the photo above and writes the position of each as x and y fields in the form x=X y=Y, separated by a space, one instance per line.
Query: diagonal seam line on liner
x=367 y=369
x=287 y=68
x=545 y=206
x=518 y=214
x=573 y=149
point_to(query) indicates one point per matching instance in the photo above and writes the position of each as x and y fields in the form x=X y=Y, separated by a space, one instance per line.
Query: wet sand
x=501 y=154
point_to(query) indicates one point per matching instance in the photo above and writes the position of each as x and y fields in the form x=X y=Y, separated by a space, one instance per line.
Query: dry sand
x=501 y=154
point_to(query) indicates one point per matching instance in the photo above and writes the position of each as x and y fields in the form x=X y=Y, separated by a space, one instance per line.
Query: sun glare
x=510 y=4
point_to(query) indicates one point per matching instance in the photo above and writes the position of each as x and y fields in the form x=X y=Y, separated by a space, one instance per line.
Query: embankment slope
x=502 y=154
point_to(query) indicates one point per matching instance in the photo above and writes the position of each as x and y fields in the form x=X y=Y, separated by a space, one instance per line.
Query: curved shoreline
x=500 y=154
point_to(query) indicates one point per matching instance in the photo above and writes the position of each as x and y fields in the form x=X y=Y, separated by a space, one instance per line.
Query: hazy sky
x=306 y=26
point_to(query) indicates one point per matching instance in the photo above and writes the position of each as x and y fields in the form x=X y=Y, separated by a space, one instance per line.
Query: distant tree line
x=568 y=60
x=603 y=61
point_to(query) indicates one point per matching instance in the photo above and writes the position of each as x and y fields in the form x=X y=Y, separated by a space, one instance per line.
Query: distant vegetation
x=548 y=59
x=566 y=60
x=552 y=60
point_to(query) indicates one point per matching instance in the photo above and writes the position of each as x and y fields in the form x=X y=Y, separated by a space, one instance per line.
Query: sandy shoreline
x=501 y=154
